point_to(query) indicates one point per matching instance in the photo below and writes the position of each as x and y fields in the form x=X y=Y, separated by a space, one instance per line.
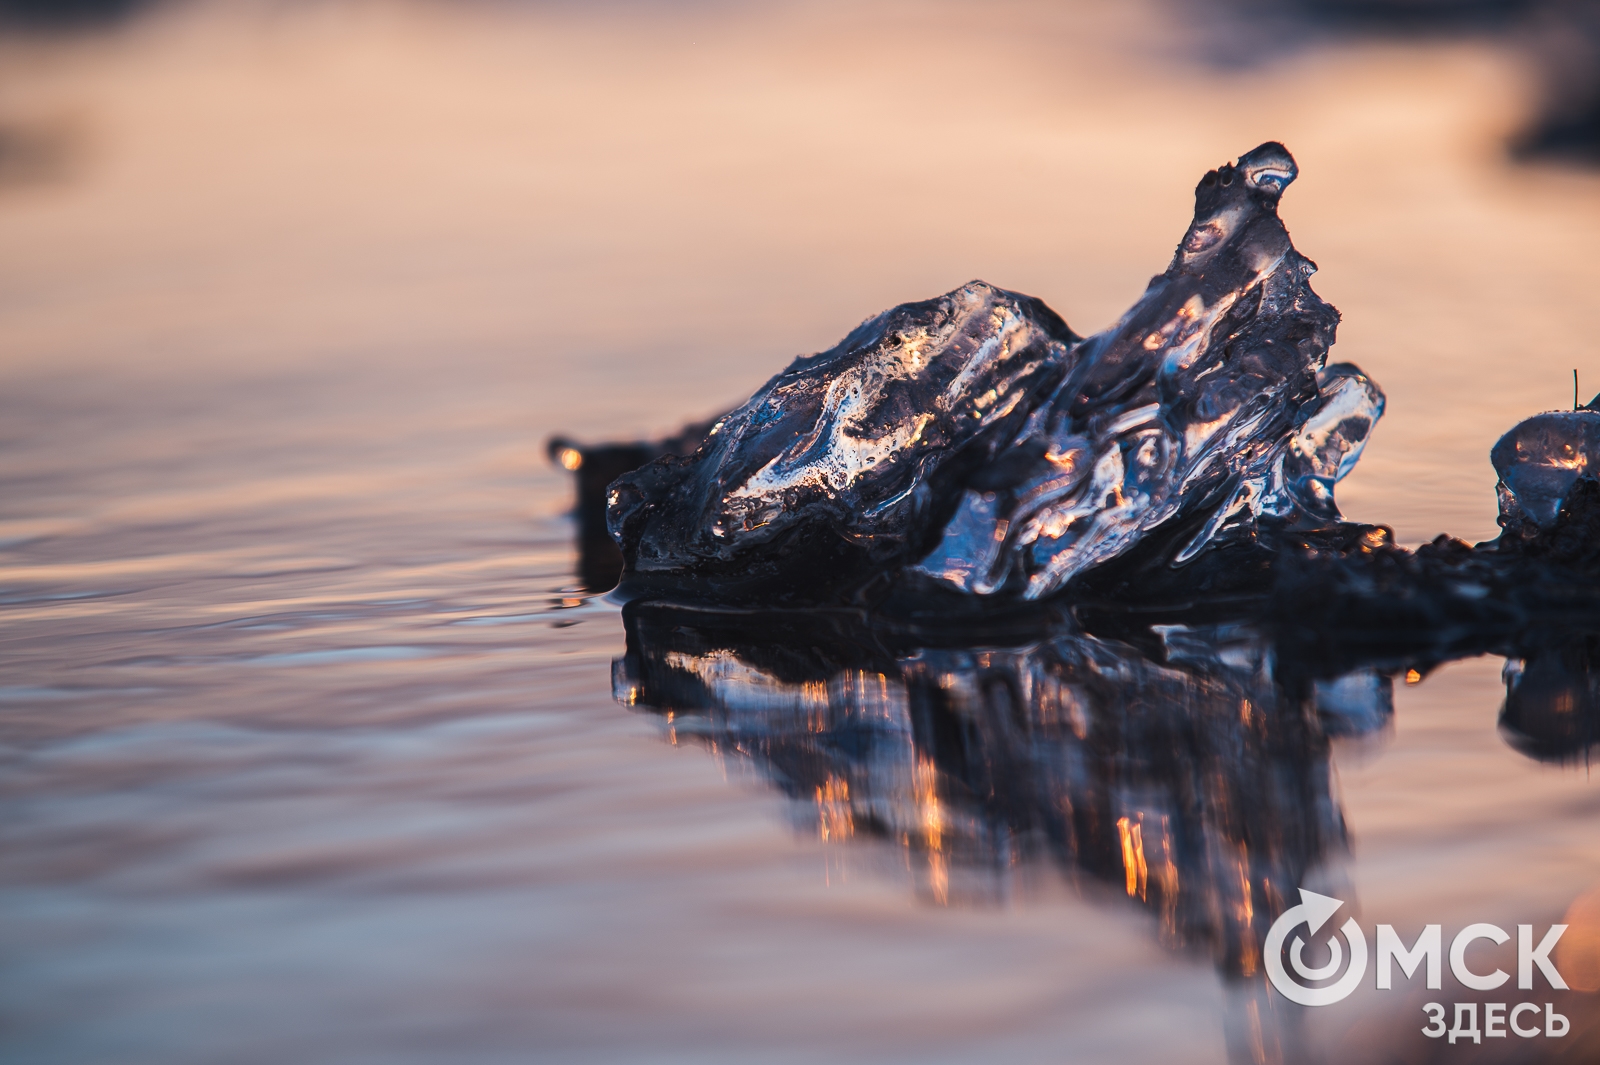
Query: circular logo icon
x=1313 y=912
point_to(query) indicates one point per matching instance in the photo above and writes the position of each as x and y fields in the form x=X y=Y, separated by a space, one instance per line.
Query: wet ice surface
x=303 y=759
x=979 y=442
x=839 y=468
x=1540 y=462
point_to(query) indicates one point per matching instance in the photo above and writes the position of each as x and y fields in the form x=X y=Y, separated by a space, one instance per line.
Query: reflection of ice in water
x=1183 y=775
x=1183 y=768
x=1188 y=775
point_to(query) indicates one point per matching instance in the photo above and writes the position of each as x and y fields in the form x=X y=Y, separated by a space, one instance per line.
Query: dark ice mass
x=974 y=444
x=970 y=458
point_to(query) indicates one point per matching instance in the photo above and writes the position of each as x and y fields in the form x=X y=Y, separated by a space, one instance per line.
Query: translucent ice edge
x=978 y=442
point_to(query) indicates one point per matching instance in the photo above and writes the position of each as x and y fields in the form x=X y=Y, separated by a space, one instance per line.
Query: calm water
x=308 y=744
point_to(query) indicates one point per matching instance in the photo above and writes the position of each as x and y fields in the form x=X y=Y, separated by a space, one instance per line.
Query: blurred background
x=307 y=747
x=563 y=198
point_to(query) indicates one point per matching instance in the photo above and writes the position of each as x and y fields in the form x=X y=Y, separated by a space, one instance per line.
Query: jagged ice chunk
x=976 y=442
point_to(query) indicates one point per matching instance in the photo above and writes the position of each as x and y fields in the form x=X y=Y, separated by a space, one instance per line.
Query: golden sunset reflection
x=835 y=821
x=1133 y=856
x=925 y=793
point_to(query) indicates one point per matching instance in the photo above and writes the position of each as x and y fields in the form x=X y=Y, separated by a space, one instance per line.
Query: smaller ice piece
x=1540 y=462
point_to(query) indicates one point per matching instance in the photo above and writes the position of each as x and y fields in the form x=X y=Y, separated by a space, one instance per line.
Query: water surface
x=309 y=745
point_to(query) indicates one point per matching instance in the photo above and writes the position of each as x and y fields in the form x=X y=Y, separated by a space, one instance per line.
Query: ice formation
x=975 y=443
x=840 y=467
x=1541 y=461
